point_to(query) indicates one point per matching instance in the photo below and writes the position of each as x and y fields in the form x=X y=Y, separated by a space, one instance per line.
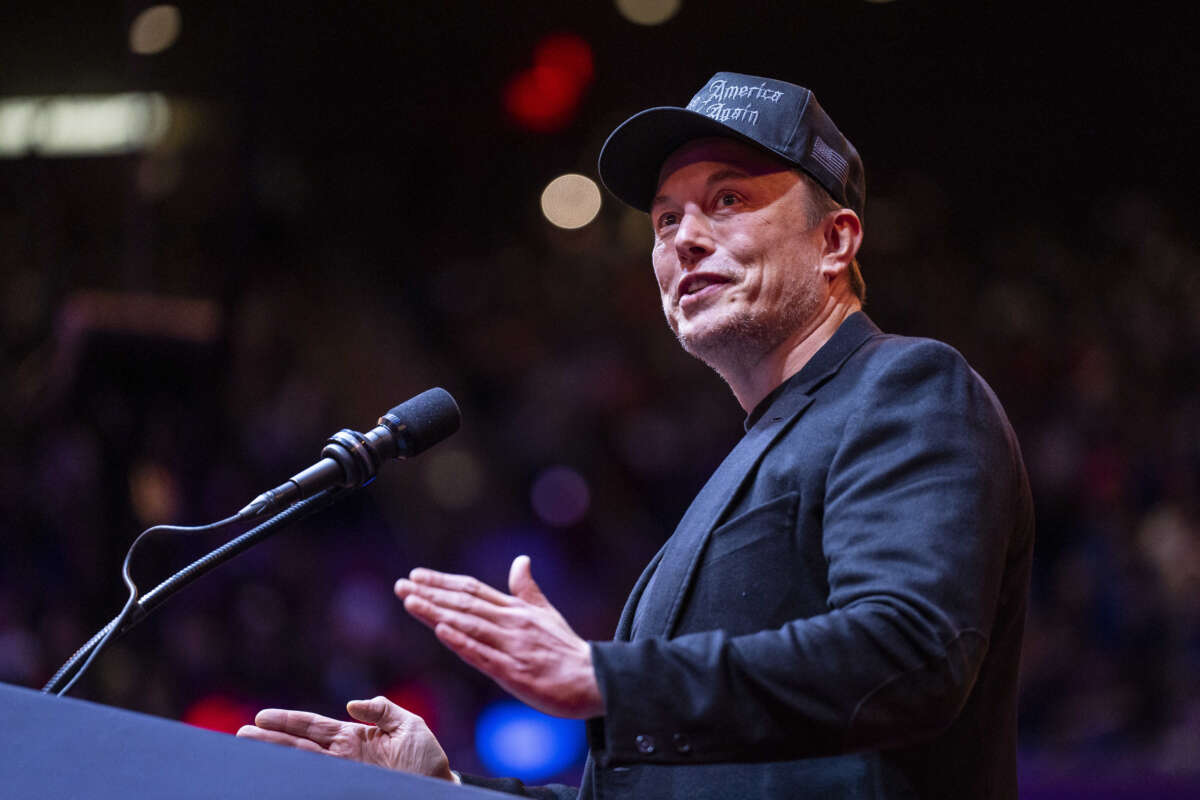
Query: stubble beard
x=740 y=341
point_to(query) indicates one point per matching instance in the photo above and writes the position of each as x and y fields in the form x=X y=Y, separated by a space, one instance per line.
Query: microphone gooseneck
x=351 y=459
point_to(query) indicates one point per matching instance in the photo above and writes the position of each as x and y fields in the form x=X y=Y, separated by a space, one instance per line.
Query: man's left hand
x=519 y=640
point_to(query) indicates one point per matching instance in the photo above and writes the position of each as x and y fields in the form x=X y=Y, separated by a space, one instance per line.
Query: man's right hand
x=391 y=738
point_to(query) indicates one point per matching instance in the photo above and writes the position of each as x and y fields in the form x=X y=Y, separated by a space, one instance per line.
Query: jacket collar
x=824 y=364
x=658 y=596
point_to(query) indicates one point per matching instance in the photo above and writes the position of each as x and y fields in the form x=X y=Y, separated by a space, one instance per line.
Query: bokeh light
x=560 y=496
x=154 y=493
x=82 y=125
x=154 y=30
x=571 y=201
x=417 y=697
x=544 y=98
x=515 y=740
x=648 y=12
x=453 y=477
x=219 y=712
x=569 y=54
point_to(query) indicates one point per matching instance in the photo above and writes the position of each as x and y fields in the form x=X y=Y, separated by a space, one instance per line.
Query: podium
x=56 y=747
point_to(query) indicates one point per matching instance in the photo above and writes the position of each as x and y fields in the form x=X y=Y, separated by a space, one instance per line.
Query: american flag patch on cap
x=830 y=159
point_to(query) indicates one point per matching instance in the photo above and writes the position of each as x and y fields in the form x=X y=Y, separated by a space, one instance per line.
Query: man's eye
x=727 y=199
x=667 y=219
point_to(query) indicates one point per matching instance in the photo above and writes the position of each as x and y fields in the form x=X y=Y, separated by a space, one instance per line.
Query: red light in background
x=566 y=52
x=544 y=97
x=416 y=697
x=216 y=712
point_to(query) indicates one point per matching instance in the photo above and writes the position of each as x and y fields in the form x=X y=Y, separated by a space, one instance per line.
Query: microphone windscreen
x=423 y=421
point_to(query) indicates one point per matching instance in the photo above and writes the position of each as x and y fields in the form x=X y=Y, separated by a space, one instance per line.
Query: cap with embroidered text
x=782 y=118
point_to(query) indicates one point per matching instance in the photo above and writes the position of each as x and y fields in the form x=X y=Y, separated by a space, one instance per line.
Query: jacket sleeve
x=920 y=499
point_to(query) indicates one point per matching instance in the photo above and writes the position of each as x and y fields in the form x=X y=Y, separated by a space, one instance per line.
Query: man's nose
x=693 y=238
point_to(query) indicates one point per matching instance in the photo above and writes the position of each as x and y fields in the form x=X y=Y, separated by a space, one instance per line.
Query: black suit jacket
x=839 y=613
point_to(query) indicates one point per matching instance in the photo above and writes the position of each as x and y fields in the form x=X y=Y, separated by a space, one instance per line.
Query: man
x=839 y=613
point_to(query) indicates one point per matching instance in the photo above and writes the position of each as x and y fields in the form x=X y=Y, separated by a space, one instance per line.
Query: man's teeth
x=698 y=285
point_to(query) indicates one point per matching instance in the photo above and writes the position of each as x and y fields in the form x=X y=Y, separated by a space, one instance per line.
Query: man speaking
x=839 y=612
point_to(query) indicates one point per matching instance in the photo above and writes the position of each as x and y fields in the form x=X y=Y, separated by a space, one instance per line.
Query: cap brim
x=634 y=153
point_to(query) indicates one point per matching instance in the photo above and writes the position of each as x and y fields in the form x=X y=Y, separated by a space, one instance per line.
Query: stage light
x=417 y=697
x=648 y=12
x=514 y=740
x=571 y=201
x=154 y=30
x=568 y=54
x=16 y=125
x=560 y=497
x=544 y=97
x=82 y=125
x=217 y=712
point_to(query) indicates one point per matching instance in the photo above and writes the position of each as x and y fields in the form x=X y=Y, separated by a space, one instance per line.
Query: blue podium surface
x=52 y=747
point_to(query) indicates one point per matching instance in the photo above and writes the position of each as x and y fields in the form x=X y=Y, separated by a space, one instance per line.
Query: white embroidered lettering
x=715 y=90
x=721 y=91
x=723 y=113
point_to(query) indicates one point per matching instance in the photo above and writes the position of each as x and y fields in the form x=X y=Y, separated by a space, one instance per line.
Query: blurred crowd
x=174 y=388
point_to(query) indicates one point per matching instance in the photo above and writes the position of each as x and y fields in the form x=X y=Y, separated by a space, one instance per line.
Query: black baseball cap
x=779 y=117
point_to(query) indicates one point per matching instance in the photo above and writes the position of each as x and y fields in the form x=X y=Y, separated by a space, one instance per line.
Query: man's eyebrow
x=716 y=177
x=726 y=174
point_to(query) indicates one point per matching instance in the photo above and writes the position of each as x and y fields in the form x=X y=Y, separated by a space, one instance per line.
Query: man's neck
x=751 y=383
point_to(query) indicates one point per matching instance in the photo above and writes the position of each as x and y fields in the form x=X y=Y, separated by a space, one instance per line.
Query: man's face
x=737 y=264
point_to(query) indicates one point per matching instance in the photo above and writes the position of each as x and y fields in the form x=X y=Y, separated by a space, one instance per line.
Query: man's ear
x=843 y=235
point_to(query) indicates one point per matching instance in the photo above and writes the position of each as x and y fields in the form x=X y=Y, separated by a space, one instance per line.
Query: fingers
x=457 y=601
x=497 y=664
x=380 y=712
x=497 y=634
x=278 y=737
x=521 y=583
x=297 y=724
x=469 y=595
x=369 y=711
x=456 y=583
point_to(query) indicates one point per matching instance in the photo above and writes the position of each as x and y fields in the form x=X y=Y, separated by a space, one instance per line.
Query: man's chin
x=712 y=345
x=737 y=341
x=707 y=329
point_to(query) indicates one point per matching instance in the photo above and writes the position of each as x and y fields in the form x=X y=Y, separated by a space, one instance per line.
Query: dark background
x=354 y=218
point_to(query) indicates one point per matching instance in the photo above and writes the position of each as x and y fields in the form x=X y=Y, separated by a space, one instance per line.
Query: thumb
x=378 y=711
x=522 y=585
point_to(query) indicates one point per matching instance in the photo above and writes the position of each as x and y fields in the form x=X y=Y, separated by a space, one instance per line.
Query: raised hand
x=518 y=640
x=392 y=737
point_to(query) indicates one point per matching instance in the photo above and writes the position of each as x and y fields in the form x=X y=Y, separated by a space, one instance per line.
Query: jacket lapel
x=625 y=624
x=678 y=559
x=658 y=596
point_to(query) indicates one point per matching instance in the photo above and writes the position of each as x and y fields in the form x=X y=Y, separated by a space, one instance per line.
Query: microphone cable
x=197 y=569
x=350 y=460
x=110 y=630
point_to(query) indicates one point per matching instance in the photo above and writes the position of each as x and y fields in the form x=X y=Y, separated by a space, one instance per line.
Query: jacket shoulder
x=887 y=349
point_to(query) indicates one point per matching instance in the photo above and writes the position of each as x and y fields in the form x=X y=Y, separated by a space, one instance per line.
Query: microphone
x=351 y=459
